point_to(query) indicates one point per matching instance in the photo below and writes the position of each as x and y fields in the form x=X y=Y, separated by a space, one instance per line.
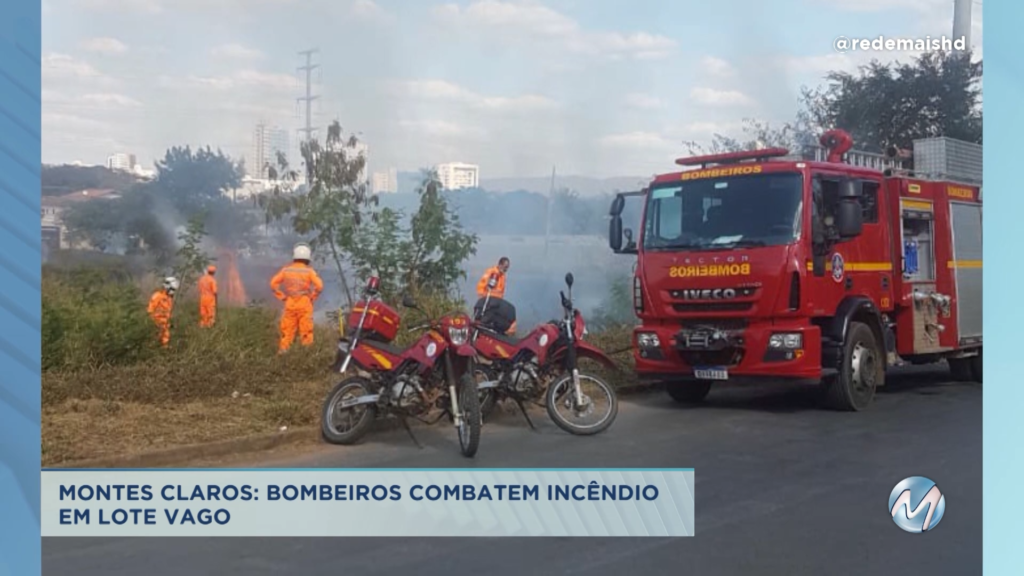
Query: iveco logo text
x=716 y=294
x=717 y=260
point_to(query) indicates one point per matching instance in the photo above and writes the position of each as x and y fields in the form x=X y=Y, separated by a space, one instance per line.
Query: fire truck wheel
x=976 y=364
x=862 y=371
x=960 y=369
x=688 y=392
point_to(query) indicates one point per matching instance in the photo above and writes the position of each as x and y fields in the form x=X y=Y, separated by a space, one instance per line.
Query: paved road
x=782 y=488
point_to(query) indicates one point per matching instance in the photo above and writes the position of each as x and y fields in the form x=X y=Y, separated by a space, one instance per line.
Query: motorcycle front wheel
x=469 y=405
x=347 y=425
x=599 y=401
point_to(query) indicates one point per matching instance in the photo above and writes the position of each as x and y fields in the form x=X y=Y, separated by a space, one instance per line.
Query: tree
x=882 y=105
x=127 y=224
x=757 y=134
x=426 y=258
x=193 y=180
x=334 y=206
x=938 y=94
x=191 y=260
x=438 y=245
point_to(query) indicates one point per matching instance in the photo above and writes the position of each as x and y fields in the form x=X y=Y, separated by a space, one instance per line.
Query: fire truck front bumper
x=728 y=350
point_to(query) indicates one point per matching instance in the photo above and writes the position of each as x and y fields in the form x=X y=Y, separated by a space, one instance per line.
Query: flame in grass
x=233 y=289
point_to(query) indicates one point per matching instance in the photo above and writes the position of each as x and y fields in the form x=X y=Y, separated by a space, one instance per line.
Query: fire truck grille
x=714 y=307
x=729 y=357
x=726 y=324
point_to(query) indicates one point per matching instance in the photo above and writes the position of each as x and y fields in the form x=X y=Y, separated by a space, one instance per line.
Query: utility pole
x=962 y=21
x=547 y=217
x=308 y=130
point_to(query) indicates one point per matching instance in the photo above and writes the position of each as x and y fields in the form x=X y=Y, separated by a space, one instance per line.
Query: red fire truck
x=759 y=264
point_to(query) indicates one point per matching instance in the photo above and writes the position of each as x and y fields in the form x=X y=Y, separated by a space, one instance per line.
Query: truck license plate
x=711 y=373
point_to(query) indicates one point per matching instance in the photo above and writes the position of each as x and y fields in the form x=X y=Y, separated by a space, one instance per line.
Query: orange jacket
x=295 y=281
x=207 y=287
x=160 y=306
x=481 y=286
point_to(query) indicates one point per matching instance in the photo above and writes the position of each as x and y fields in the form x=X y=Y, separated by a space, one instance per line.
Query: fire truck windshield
x=723 y=213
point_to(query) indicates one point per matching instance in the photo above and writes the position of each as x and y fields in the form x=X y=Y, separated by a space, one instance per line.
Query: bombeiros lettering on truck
x=828 y=267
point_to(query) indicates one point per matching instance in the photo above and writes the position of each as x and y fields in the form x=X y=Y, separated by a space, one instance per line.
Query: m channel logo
x=917 y=504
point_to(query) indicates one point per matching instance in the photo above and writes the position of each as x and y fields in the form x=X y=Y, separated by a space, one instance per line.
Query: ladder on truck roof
x=939 y=158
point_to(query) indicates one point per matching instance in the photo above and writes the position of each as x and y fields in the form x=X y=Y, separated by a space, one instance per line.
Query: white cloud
x=644 y=101
x=717 y=67
x=69 y=122
x=713 y=97
x=235 y=51
x=534 y=20
x=143 y=6
x=64 y=67
x=636 y=140
x=884 y=5
x=251 y=79
x=368 y=9
x=440 y=128
x=111 y=99
x=698 y=130
x=104 y=46
x=443 y=90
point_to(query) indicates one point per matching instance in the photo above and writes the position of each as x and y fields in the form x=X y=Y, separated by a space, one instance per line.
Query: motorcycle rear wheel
x=362 y=415
x=561 y=393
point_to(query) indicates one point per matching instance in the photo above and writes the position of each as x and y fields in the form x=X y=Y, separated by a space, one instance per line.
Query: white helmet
x=171 y=283
x=302 y=252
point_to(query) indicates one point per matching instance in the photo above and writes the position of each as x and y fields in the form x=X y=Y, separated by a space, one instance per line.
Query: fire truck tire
x=960 y=369
x=862 y=371
x=976 y=364
x=688 y=392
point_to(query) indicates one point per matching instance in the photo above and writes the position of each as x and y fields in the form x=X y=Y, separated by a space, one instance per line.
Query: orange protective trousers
x=160 y=307
x=298 y=286
x=207 y=301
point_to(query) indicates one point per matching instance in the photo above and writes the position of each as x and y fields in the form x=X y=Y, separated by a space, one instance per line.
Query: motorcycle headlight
x=458 y=336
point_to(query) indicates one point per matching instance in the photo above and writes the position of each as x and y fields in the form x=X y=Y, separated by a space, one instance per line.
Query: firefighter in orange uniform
x=161 y=304
x=298 y=286
x=498 y=290
x=208 y=298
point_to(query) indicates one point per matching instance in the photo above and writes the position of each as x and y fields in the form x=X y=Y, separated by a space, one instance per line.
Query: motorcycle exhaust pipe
x=367 y=399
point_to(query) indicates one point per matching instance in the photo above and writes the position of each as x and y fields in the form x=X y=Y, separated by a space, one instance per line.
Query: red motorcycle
x=435 y=373
x=542 y=368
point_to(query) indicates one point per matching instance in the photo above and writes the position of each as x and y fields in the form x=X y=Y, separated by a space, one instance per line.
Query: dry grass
x=76 y=430
x=211 y=385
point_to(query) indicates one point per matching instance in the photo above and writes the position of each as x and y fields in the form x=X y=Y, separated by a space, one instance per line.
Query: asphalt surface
x=782 y=487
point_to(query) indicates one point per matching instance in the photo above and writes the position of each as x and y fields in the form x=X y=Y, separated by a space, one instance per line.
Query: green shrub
x=92 y=317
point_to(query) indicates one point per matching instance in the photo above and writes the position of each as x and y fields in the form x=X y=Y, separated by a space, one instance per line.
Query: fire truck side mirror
x=849 y=213
x=615 y=233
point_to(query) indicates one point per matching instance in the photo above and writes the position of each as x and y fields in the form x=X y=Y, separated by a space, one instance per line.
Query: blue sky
x=596 y=87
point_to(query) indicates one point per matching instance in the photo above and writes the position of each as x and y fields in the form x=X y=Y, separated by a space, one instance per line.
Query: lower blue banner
x=363 y=502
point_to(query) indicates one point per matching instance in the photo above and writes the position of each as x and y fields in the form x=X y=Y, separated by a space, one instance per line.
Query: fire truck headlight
x=648 y=340
x=794 y=341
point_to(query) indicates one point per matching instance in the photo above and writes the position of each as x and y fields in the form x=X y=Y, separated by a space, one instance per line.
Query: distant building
x=267 y=141
x=385 y=182
x=250 y=187
x=121 y=161
x=455 y=175
x=144 y=173
x=54 y=232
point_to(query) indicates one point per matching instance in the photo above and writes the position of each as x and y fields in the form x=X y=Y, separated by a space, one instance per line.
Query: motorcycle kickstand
x=525 y=414
x=405 y=424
